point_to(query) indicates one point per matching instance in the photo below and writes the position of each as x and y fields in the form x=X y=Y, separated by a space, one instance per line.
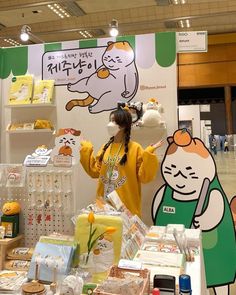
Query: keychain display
x=57 y=182
x=50 y=189
x=67 y=181
x=46 y=194
x=2 y=178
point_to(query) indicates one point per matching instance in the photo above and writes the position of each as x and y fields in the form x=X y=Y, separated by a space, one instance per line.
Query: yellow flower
x=110 y=230
x=91 y=217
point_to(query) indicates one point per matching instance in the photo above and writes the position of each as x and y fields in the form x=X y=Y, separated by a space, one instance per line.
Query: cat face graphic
x=118 y=55
x=66 y=139
x=104 y=245
x=114 y=175
x=184 y=172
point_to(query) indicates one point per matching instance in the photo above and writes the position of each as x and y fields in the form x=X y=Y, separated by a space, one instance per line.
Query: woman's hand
x=157 y=144
x=85 y=143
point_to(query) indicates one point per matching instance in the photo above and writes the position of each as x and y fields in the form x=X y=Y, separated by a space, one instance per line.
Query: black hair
x=123 y=118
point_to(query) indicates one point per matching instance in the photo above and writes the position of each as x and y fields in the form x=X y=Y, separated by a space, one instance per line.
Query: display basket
x=117 y=272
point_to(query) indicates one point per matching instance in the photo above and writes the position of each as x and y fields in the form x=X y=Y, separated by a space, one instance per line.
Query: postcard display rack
x=46 y=195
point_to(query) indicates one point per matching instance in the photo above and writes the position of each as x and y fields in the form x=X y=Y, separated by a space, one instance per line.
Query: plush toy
x=71 y=285
x=152 y=114
x=11 y=208
x=150 y=126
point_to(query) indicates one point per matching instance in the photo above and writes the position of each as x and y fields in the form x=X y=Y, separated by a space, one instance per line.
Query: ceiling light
x=184 y=23
x=56 y=8
x=187 y=23
x=12 y=42
x=86 y=34
x=24 y=36
x=178 y=2
x=113 y=28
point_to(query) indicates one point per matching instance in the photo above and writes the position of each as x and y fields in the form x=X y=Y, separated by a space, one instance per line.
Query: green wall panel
x=165 y=48
x=14 y=59
x=88 y=43
x=52 y=47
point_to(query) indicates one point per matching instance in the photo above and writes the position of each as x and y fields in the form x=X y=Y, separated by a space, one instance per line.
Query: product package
x=50 y=257
x=17 y=265
x=162 y=262
x=43 y=91
x=11 y=224
x=59 y=239
x=125 y=281
x=20 y=253
x=43 y=124
x=21 y=90
x=11 y=280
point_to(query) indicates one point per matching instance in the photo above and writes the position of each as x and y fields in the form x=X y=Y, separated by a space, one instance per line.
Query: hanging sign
x=191 y=41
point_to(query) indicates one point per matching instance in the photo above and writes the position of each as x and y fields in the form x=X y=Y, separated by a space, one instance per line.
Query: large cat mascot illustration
x=116 y=80
x=192 y=195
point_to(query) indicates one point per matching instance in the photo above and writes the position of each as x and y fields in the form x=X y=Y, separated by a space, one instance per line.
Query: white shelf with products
x=32 y=105
x=27 y=114
x=21 y=120
x=30 y=131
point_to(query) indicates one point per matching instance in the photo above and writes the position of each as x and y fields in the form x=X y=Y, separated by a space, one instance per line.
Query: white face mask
x=112 y=128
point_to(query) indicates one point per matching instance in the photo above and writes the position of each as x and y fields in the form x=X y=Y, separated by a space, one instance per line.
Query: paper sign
x=191 y=41
x=40 y=161
x=62 y=161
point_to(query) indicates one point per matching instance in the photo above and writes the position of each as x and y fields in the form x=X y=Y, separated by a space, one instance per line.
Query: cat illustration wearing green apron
x=192 y=195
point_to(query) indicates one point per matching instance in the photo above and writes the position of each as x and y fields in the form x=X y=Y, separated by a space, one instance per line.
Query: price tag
x=62 y=161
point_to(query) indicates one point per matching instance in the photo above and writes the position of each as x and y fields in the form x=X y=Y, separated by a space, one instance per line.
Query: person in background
x=221 y=143
x=214 y=145
x=226 y=145
x=121 y=164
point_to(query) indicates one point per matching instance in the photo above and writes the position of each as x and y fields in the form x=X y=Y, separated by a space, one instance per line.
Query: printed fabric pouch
x=105 y=235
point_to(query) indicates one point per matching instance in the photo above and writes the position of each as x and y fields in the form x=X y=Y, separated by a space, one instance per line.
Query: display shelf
x=30 y=131
x=5 y=244
x=32 y=105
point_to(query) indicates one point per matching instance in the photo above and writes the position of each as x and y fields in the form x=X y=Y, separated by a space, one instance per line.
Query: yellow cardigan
x=141 y=167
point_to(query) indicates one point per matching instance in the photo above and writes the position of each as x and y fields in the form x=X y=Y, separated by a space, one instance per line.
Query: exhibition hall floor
x=226 y=167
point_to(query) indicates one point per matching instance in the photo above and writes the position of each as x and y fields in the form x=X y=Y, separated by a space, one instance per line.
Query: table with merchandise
x=111 y=252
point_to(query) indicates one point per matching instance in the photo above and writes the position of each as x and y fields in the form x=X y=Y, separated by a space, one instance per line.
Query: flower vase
x=86 y=262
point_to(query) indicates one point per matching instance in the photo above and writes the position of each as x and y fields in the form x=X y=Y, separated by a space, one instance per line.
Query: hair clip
x=154 y=100
x=126 y=108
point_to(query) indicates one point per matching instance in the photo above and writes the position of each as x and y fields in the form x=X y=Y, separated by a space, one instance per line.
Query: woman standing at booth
x=121 y=164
